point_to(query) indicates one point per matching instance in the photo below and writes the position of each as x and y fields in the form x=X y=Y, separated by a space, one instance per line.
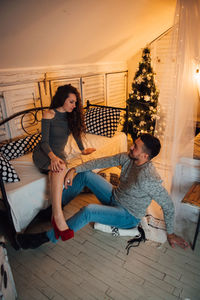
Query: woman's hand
x=69 y=177
x=57 y=164
x=88 y=151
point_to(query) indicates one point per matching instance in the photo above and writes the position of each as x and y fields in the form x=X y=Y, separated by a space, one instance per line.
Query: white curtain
x=176 y=124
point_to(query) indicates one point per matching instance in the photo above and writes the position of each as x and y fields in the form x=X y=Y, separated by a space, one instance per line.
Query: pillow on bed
x=7 y=170
x=102 y=121
x=20 y=147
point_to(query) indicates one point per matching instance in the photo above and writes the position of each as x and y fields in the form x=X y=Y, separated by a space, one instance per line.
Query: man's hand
x=88 y=151
x=69 y=177
x=174 y=239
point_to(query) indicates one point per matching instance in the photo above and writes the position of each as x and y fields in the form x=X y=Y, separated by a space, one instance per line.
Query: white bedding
x=30 y=195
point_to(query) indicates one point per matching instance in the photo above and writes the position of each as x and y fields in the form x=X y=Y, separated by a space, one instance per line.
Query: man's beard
x=130 y=155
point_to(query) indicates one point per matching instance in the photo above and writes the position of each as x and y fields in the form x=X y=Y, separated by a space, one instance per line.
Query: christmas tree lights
x=143 y=100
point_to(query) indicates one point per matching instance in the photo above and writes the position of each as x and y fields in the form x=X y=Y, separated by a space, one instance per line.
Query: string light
x=143 y=99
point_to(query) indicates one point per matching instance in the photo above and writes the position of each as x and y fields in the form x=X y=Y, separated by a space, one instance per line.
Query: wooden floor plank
x=94 y=265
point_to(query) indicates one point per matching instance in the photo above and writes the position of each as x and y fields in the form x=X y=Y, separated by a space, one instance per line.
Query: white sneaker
x=117 y=231
x=102 y=227
x=129 y=232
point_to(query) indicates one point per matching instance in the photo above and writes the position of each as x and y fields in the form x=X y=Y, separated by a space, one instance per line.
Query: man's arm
x=161 y=196
x=104 y=162
x=158 y=193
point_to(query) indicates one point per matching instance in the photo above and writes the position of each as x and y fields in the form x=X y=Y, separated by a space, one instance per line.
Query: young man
x=122 y=207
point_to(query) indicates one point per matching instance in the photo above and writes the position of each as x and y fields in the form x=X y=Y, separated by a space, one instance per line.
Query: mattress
x=28 y=196
x=101 y=143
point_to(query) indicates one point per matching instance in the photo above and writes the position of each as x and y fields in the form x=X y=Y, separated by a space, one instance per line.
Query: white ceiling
x=56 y=32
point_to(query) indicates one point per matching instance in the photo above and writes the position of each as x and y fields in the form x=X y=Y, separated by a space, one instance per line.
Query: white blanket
x=30 y=195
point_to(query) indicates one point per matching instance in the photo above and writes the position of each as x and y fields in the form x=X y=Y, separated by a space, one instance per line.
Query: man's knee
x=84 y=176
x=89 y=211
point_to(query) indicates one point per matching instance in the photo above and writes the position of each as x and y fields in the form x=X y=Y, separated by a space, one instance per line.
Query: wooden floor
x=94 y=265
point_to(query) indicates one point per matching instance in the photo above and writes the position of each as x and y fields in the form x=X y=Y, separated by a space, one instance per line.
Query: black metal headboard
x=34 y=112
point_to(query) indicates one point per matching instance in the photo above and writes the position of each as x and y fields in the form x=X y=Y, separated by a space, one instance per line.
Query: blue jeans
x=109 y=213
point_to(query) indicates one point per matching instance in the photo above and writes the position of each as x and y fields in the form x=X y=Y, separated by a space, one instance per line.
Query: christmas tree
x=143 y=100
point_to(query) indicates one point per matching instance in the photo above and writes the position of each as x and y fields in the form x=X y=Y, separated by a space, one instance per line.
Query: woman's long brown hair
x=76 y=117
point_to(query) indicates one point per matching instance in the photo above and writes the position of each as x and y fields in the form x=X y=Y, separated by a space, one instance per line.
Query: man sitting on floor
x=122 y=207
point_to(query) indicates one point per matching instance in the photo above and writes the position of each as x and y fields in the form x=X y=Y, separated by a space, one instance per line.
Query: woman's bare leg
x=56 y=189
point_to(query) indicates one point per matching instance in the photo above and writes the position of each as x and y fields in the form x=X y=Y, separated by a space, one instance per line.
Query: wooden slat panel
x=54 y=84
x=4 y=132
x=117 y=89
x=18 y=98
x=160 y=54
x=44 y=87
x=93 y=89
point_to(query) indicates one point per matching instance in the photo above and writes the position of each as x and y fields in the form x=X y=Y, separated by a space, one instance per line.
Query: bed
x=24 y=199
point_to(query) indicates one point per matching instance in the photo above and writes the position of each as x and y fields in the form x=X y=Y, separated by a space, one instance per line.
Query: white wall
x=57 y=32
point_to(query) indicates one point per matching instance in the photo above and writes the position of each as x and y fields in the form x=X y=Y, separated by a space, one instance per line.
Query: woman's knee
x=57 y=175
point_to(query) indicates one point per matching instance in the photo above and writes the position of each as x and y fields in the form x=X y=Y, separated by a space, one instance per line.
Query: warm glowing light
x=197 y=73
x=197 y=78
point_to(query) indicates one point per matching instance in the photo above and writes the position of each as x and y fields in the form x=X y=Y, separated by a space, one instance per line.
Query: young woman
x=65 y=116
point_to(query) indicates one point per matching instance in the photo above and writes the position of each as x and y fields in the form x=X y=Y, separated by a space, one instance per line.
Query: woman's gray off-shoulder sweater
x=55 y=133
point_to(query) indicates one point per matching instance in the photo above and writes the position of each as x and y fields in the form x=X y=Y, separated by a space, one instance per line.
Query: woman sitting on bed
x=65 y=116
